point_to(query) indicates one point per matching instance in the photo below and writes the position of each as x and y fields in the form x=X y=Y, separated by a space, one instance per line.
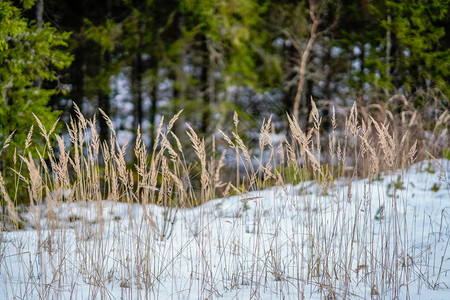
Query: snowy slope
x=383 y=239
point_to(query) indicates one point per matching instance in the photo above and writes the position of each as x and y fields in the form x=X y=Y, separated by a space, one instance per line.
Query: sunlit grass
x=331 y=235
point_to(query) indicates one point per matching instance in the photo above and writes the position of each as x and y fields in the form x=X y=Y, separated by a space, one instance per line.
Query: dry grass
x=321 y=258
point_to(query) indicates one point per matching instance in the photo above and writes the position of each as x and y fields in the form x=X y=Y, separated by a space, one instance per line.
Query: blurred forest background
x=144 y=59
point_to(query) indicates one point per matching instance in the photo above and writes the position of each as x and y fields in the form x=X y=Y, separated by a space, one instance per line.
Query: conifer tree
x=29 y=53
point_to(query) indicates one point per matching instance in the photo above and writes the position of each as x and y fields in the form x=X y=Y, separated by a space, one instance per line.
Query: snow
x=384 y=239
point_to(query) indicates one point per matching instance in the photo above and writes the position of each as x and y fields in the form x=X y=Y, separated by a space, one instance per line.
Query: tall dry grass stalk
x=329 y=240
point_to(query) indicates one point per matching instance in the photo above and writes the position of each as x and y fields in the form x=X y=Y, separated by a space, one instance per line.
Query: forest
x=140 y=60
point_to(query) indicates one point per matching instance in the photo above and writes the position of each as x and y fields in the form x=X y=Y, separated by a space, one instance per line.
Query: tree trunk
x=388 y=51
x=290 y=88
x=40 y=25
x=363 y=52
x=40 y=13
x=103 y=92
x=180 y=83
x=136 y=82
x=207 y=79
x=77 y=77
x=327 y=93
x=153 y=107
x=395 y=66
x=180 y=94
x=104 y=102
x=304 y=59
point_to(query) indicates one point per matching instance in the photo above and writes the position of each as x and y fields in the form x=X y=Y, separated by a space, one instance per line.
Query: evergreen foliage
x=28 y=54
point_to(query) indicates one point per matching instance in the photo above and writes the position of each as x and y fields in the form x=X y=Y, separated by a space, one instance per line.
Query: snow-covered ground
x=384 y=239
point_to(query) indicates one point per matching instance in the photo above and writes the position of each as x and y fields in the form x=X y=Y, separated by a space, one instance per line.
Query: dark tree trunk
x=104 y=102
x=180 y=94
x=103 y=92
x=77 y=75
x=137 y=71
x=289 y=94
x=40 y=25
x=364 y=4
x=153 y=106
x=40 y=13
x=206 y=86
x=180 y=82
x=362 y=77
x=326 y=124
x=394 y=70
